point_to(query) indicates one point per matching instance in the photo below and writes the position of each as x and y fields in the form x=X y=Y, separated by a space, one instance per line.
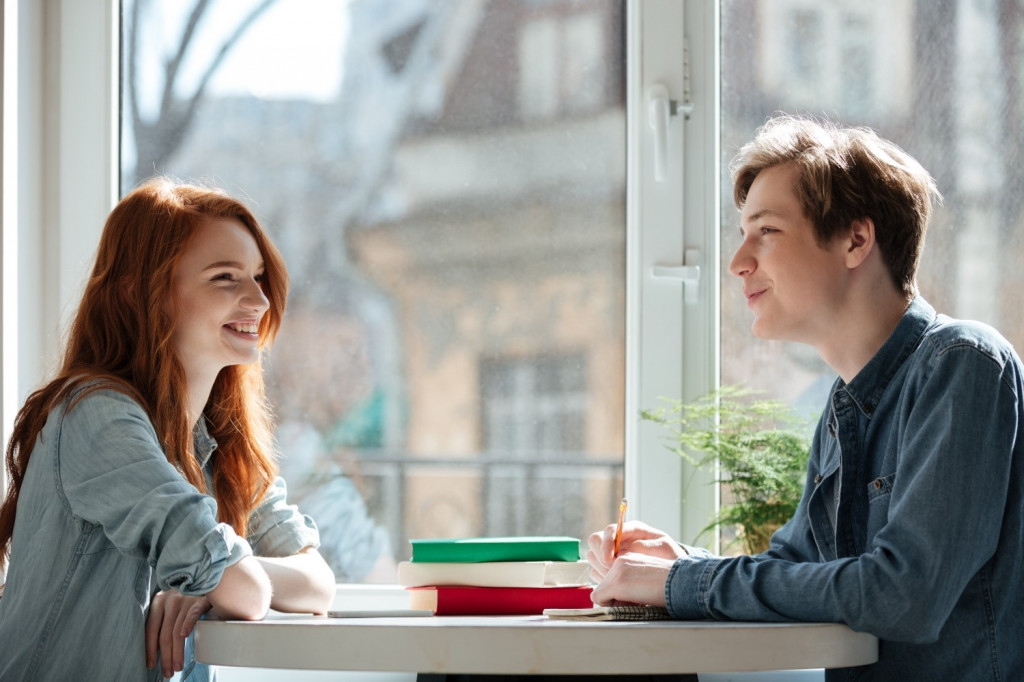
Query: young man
x=911 y=525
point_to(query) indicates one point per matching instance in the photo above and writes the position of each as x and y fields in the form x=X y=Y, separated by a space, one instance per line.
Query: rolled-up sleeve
x=277 y=528
x=113 y=474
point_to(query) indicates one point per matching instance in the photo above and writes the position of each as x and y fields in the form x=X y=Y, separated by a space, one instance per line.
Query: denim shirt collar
x=203 y=442
x=867 y=387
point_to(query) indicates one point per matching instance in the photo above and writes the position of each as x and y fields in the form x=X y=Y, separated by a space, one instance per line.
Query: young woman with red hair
x=143 y=488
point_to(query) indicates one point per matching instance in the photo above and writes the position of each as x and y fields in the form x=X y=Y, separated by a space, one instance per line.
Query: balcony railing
x=488 y=494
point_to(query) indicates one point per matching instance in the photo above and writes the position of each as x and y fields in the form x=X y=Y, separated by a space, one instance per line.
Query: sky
x=293 y=51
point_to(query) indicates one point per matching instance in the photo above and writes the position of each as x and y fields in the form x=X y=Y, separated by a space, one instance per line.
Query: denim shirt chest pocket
x=879 y=495
x=879 y=487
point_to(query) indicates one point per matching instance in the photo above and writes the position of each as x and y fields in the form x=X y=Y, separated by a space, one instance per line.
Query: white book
x=495 y=573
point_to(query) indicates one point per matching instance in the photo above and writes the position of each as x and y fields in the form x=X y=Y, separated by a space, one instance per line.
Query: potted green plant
x=758 y=449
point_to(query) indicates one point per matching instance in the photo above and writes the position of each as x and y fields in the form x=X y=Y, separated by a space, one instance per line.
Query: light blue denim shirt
x=911 y=525
x=104 y=521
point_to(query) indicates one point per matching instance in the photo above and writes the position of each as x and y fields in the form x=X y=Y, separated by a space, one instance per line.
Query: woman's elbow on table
x=244 y=592
x=303 y=582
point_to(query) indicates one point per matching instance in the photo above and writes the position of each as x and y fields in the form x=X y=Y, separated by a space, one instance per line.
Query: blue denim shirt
x=911 y=525
x=104 y=521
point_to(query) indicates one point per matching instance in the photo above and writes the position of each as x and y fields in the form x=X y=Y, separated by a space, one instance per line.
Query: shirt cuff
x=277 y=528
x=697 y=552
x=222 y=547
x=238 y=547
x=288 y=538
x=687 y=588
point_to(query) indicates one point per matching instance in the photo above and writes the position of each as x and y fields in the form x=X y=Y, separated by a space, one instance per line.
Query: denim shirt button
x=817 y=479
x=878 y=484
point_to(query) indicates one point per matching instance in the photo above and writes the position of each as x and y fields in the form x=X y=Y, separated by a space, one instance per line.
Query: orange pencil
x=618 y=529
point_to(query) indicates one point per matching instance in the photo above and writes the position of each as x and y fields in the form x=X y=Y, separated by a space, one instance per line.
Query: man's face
x=793 y=286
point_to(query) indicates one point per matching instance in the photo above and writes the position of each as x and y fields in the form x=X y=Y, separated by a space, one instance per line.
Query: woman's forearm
x=302 y=583
x=244 y=591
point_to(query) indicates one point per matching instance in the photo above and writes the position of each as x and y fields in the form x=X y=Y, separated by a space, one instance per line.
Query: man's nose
x=743 y=262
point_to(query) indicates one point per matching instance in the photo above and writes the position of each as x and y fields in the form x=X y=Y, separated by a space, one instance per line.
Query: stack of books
x=496 y=576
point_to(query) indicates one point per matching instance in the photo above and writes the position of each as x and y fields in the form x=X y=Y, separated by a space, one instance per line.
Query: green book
x=471 y=550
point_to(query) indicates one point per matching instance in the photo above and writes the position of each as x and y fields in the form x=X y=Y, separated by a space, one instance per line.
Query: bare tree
x=157 y=140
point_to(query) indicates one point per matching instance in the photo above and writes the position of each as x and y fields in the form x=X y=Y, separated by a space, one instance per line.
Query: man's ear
x=860 y=241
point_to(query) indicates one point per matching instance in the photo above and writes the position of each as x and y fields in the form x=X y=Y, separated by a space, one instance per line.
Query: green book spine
x=470 y=550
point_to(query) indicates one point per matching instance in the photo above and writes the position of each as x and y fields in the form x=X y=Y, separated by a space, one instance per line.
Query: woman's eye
x=224 y=277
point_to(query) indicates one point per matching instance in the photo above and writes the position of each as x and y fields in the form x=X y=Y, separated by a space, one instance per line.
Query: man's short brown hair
x=845 y=174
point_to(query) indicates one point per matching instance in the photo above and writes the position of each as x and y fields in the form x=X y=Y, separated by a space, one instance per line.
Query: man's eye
x=768 y=230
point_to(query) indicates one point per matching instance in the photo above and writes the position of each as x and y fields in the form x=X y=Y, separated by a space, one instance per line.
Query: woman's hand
x=171 y=618
x=637 y=538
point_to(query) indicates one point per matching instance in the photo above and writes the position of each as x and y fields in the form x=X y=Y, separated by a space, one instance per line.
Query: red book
x=461 y=600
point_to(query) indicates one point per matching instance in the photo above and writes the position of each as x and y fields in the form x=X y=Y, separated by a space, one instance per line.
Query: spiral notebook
x=621 y=612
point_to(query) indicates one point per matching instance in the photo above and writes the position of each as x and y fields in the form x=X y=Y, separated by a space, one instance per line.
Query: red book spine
x=458 y=600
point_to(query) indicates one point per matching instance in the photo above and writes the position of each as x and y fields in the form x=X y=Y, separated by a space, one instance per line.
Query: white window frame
x=60 y=170
x=672 y=345
x=59 y=182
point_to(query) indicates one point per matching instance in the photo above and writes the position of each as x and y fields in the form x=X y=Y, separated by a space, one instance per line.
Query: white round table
x=528 y=645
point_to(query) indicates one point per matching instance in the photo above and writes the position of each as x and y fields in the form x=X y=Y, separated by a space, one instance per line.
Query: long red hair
x=120 y=338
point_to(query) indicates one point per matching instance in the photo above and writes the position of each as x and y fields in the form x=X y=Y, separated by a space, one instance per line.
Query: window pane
x=942 y=80
x=446 y=181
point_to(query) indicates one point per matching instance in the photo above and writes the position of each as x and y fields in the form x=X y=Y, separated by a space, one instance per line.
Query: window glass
x=446 y=181
x=942 y=80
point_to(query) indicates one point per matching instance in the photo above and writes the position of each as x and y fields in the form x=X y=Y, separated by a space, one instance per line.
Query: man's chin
x=757 y=328
x=762 y=330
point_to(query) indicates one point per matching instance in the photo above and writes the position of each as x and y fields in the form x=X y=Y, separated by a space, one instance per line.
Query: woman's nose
x=254 y=296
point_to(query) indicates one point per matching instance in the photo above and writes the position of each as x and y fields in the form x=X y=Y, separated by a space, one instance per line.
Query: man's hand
x=637 y=538
x=171 y=618
x=634 y=579
x=638 y=574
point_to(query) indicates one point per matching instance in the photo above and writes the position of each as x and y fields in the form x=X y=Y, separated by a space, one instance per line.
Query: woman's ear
x=860 y=241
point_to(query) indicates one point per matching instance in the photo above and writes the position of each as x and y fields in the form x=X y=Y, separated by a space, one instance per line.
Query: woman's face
x=220 y=300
